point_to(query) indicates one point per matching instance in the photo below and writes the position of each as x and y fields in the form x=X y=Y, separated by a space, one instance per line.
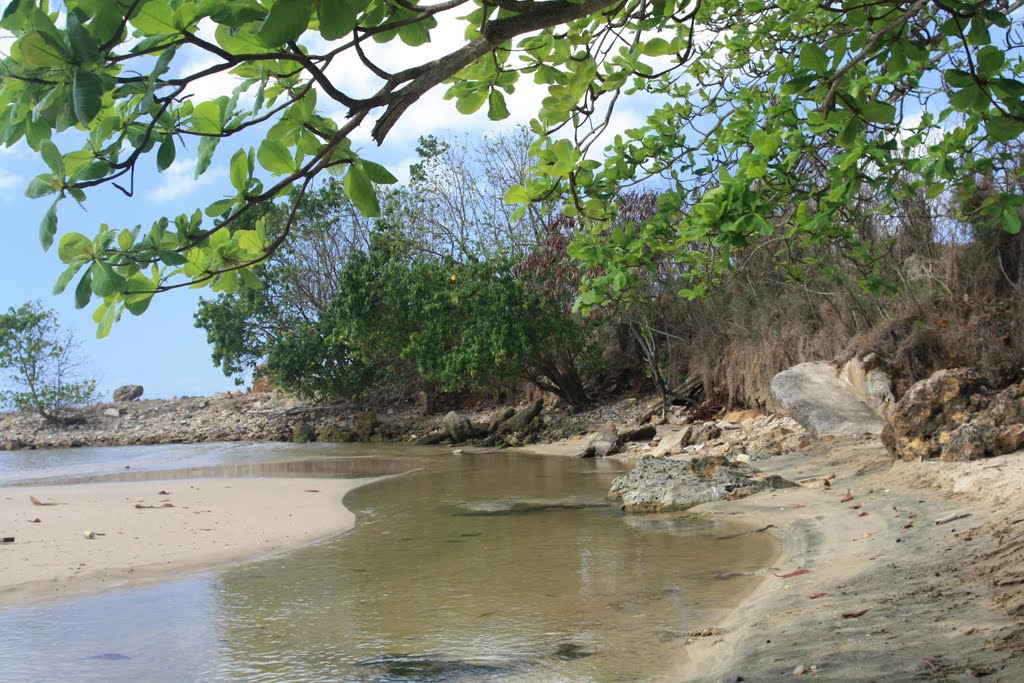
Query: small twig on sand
x=952 y=517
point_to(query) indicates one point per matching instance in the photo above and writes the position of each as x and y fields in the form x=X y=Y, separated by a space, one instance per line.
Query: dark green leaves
x=165 y=153
x=87 y=94
x=285 y=22
x=813 y=58
x=48 y=226
x=337 y=19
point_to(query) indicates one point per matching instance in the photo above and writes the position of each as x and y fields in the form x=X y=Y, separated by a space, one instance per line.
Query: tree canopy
x=768 y=120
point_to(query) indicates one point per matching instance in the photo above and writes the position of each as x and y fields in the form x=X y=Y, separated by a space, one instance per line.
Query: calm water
x=484 y=567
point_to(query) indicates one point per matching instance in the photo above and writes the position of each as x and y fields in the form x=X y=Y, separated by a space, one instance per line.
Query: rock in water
x=458 y=427
x=660 y=485
x=954 y=416
x=814 y=395
x=129 y=392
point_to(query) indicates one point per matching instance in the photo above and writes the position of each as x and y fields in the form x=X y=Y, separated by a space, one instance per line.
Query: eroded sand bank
x=151 y=530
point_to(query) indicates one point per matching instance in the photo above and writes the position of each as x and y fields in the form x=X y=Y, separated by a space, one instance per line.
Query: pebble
x=800 y=670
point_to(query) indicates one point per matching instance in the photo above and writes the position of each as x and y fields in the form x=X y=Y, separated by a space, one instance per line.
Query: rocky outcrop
x=459 y=427
x=817 y=397
x=662 y=485
x=129 y=392
x=955 y=416
x=757 y=436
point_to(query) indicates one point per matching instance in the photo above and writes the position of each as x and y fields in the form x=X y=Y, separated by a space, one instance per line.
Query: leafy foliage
x=42 y=361
x=768 y=120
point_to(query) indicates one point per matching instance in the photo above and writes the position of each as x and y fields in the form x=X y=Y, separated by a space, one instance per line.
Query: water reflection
x=470 y=568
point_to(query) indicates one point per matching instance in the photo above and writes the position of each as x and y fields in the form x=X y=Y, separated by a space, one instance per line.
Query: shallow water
x=472 y=568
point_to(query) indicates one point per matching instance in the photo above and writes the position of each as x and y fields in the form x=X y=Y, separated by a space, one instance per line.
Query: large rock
x=870 y=385
x=817 y=397
x=662 y=485
x=459 y=427
x=129 y=392
x=606 y=442
x=364 y=424
x=955 y=416
x=522 y=419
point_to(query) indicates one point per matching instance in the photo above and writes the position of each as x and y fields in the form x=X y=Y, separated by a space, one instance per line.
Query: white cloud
x=179 y=179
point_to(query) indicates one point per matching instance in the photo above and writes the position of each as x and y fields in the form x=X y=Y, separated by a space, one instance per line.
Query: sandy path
x=155 y=530
x=888 y=595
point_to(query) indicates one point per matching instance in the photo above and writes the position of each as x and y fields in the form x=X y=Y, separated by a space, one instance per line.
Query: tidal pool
x=482 y=567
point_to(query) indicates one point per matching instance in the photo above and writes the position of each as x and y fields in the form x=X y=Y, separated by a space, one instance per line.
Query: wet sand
x=149 y=531
x=868 y=587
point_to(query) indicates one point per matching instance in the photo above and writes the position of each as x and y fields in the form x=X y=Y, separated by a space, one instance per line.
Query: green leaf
x=239 y=170
x=470 y=103
x=656 y=47
x=48 y=226
x=496 y=108
x=42 y=50
x=360 y=190
x=125 y=240
x=337 y=19
x=155 y=18
x=106 y=321
x=285 y=22
x=378 y=173
x=517 y=194
x=83 y=292
x=275 y=157
x=87 y=94
x=142 y=289
x=84 y=48
x=206 y=118
x=39 y=186
x=51 y=155
x=1004 y=129
x=957 y=78
x=813 y=58
x=990 y=60
x=204 y=154
x=878 y=112
x=1011 y=220
x=74 y=245
x=65 y=278
x=165 y=153
x=105 y=281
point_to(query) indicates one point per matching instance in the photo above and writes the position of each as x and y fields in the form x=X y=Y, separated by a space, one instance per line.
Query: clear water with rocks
x=482 y=567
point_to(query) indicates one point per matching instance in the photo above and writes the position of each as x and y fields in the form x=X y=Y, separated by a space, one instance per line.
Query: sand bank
x=151 y=530
x=868 y=587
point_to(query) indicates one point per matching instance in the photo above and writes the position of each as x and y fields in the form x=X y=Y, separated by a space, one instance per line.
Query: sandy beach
x=869 y=587
x=147 y=531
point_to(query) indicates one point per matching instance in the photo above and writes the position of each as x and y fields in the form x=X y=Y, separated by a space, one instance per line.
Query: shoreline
x=150 y=531
x=887 y=595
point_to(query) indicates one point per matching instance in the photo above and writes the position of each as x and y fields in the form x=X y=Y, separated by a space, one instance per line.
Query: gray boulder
x=129 y=392
x=458 y=427
x=817 y=397
x=607 y=442
x=661 y=485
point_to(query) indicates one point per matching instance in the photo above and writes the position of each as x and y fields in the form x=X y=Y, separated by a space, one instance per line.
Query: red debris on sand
x=798 y=506
x=790 y=575
x=847 y=498
x=863 y=514
x=312 y=491
x=815 y=596
x=854 y=615
x=36 y=520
